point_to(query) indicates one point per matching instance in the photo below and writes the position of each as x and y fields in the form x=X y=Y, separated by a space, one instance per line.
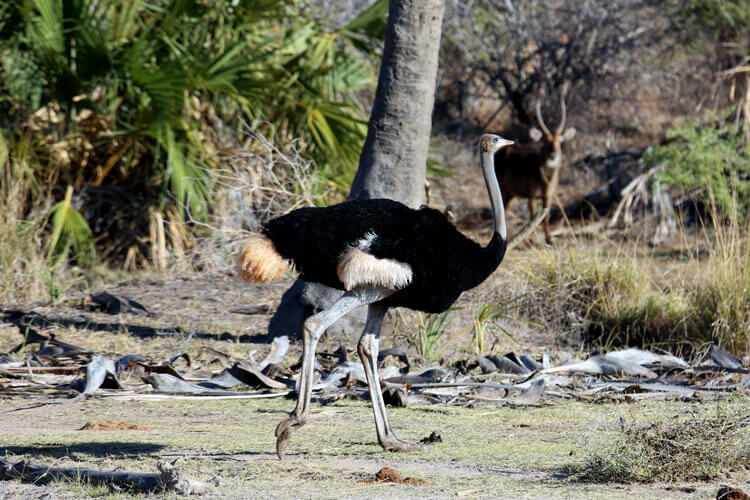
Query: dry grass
x=610 y=297
x=23 y=264
x=258 y=180
x=25 y=269
x=722 y=298
x=694 y=447
x=614 y=294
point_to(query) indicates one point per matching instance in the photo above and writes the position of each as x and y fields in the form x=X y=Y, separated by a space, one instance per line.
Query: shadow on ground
x=26 y=323
x=97 y=450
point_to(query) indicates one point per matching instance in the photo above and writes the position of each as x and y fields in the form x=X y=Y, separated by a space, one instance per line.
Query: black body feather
x=444 y=262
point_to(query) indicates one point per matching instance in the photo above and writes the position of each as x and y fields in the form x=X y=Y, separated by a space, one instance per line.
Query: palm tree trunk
x=393 y=160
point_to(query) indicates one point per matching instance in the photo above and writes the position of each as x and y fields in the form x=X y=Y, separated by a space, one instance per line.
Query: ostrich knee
x=367 y=346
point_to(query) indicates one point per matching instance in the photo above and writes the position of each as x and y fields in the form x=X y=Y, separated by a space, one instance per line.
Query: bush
x=697 y=448
x=710 y=156
x=132 y=103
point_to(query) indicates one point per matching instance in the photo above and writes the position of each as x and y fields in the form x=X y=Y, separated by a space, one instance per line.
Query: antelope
x=531 y=170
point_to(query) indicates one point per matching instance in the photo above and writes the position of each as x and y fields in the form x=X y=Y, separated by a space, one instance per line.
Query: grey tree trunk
x=394 y=158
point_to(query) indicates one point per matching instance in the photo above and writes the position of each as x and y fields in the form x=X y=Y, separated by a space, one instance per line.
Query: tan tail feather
x=259 y=260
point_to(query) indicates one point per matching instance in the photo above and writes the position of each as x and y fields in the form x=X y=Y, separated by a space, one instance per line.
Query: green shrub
x=710 y=155
x=724 y=19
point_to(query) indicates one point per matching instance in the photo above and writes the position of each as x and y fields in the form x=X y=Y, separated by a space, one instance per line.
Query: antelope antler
x=540 y=121
x=563 y=114
x=564 y=91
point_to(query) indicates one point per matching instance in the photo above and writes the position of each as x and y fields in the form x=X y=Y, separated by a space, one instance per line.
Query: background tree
x=394 y=158
x=506 y=54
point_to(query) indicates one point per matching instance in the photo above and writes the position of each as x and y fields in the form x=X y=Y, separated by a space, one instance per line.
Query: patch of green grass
x=430 y=329
x=691 y=448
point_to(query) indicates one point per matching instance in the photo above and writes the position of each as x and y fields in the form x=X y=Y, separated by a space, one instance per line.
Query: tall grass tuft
x=613 y=296
x=23 y=260
x=430 y=329
x=721 y=301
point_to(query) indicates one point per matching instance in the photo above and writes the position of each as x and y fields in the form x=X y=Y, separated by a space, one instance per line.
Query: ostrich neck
x=487 y=160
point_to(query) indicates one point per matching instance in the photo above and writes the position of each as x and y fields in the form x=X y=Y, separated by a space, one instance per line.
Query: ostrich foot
x=284 y=431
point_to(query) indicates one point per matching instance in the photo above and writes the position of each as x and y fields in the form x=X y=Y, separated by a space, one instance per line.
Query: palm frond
x=367 y=30
x=69 y=227
x=187 y=181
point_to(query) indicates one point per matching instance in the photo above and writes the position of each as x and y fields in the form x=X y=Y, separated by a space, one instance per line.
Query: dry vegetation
x=597 y=288
x=693 y=447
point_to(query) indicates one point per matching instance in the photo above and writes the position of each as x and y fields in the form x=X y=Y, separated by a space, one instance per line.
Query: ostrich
x=382 y=254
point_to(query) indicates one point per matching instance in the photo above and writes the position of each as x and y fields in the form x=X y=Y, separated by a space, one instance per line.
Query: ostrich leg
x=312 y=330
x=368 y=352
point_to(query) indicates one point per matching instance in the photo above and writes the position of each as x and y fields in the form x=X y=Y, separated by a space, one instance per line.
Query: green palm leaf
x=367 y=30
x=69 y=227
x=187 y=181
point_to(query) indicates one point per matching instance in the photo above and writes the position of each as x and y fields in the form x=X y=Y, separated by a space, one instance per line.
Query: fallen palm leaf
x=603 y=365
x=116 y=304
x=96 y=372
x=204 y=396
x=249 y=310
x=252 y=376
x=279 y=348
x=164 y=382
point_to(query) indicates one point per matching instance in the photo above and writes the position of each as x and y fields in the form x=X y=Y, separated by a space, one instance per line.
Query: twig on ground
x=527 y=229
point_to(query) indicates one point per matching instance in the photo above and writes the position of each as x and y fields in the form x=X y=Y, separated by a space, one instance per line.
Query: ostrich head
x=490 y=143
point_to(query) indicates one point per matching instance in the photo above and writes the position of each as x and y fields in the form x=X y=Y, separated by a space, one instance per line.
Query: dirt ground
x=487 y=451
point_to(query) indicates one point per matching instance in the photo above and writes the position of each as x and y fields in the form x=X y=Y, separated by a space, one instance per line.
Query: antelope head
x=554 y=140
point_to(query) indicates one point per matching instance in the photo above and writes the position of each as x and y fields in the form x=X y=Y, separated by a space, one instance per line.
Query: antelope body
x=532 y=170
